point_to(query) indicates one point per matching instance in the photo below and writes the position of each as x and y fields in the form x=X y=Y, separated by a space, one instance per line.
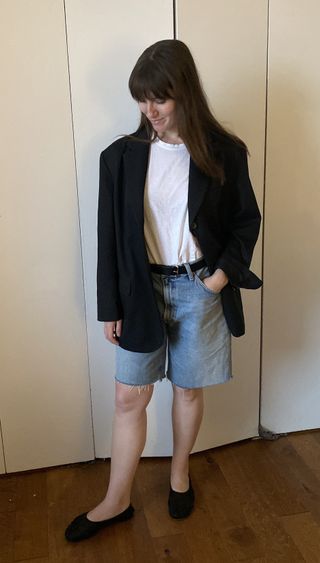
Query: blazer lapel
x=135 y=160
x=198 y=185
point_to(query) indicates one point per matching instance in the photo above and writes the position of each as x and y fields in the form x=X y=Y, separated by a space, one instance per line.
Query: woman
x=177 y=225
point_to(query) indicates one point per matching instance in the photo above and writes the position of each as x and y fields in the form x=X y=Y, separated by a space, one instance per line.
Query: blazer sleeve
x=243 y=227
x=108 y=297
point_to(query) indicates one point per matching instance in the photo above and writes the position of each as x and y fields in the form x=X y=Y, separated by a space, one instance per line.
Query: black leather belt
x=176 y=270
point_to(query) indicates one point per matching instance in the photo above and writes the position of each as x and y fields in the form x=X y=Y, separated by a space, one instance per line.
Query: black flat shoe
x=81 y=528
x=181 y=504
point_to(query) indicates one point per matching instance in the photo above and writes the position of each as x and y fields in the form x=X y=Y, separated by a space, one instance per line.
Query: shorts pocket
x=200 y=276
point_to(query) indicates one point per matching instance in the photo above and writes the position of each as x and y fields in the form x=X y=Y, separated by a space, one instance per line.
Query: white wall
x=44 y=387
x=291 y=309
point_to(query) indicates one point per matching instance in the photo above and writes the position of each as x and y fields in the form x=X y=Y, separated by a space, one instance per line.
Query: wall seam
x=3 y=452
x=79 y=222
x=264 y=203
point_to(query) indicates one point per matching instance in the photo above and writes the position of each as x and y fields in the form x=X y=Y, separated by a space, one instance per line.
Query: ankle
x=180 y=482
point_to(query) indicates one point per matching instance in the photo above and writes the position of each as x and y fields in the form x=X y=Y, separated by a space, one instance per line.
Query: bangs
x=148 y=82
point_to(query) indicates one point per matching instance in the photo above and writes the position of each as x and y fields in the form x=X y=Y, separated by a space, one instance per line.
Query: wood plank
x=234 y=538
x=265 y=477
x=308 y=448
x=153 y=479
x=242 y=543
x=38 y=560
x=8 y=494
x=174 y=547
x=316 y=435
x=225 y=510
x=276 y=543
x=300 y=479
x=305 y=534
x=7 y=523
x=31 y=516
x=135 y=544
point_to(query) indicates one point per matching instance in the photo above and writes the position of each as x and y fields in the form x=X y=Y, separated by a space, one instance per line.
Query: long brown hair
x=165 y=70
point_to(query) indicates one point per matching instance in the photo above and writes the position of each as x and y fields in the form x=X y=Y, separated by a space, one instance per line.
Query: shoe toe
x=80 y=528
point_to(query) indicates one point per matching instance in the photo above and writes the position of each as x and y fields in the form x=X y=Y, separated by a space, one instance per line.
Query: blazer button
x=194 y=225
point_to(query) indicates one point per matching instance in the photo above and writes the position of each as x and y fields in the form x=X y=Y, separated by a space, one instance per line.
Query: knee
x=188 y=395
x=130 y=398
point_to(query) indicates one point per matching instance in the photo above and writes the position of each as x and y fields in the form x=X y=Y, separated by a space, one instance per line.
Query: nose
x=151 y=109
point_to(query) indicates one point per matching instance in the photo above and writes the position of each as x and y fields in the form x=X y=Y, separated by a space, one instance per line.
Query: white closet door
x=44 y=386
x=105 y=40
x=229 y=42
x=291 y=327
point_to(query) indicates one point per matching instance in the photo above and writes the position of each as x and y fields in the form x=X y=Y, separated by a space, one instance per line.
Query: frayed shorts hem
x=144 y=386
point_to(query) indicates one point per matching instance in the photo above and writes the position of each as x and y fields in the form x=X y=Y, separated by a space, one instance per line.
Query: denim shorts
x=197 y=347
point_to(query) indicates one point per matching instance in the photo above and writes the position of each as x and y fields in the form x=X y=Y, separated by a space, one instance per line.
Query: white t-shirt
x=166 y=222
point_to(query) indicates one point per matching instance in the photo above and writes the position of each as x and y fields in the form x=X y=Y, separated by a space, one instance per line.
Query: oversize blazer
x=225 y=219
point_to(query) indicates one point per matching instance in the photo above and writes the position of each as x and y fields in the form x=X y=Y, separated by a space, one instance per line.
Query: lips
x=157 y=121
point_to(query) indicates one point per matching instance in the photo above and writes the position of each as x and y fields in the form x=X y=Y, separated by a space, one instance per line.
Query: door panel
x=291 y=327
x=105 y=40
x=44 y=386
x=232 y=64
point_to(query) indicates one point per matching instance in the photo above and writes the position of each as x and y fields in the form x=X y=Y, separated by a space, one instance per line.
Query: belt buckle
x=175 y=270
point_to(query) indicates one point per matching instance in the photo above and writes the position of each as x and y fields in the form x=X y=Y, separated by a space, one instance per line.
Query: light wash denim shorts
x=197 y=347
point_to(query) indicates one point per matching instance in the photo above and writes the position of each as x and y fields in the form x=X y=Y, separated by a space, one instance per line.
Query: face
x=161 y=114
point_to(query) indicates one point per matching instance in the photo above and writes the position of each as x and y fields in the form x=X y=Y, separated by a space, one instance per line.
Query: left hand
x=216 y=281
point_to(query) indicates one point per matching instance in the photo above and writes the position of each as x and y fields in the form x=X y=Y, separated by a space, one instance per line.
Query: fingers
x=211 y=285
x=112 y=331
x=119 y=328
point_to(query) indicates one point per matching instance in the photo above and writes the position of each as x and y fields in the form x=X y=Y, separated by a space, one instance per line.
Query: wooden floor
x=256 y=501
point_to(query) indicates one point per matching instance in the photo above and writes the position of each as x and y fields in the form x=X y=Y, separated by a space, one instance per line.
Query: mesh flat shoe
x=181 y=504
x=81 y=528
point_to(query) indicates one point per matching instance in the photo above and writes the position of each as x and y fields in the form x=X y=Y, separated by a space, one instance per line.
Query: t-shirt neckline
x=170 y=146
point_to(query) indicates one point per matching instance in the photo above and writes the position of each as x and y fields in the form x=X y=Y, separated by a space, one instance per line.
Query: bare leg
x=187 y=412
x=128 y=440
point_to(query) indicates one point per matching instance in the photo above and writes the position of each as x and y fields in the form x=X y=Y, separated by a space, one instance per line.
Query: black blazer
x=224 y=218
